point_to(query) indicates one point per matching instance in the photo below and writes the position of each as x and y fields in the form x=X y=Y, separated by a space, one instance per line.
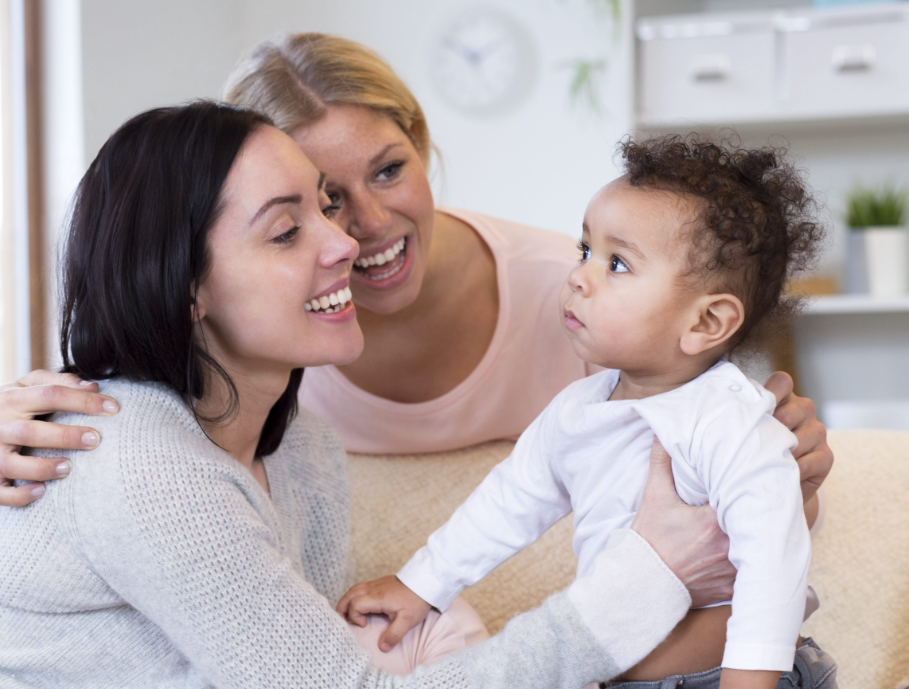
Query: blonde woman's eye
x=287 y=237
x=617 y=265
x=584 y=248
x=390 y=171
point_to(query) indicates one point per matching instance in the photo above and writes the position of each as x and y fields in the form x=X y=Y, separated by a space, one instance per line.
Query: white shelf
x=855 y=303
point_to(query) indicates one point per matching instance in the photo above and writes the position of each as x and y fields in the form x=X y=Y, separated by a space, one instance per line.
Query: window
x=20 y=292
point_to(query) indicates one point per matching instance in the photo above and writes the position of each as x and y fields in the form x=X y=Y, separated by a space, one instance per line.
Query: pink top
x=529 y=360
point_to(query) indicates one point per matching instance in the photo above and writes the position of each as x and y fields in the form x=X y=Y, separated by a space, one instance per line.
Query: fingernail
x=111 y=407
x=90 y=439
x=384 y=647
x=85 y=382
x=63 y=467
x=37 y=491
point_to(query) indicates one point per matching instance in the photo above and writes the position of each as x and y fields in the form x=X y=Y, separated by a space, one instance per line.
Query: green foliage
x=612 y=8
x=585 y=83
x=883 y=208
x=587 y=73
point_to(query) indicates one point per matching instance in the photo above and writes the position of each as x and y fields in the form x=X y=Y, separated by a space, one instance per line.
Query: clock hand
x=469 y=55
x=489 y=49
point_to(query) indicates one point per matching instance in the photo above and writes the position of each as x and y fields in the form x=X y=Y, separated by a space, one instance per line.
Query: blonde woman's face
x=377 y=179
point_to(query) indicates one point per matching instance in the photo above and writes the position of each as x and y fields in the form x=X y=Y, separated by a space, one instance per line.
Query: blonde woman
x=457 y=309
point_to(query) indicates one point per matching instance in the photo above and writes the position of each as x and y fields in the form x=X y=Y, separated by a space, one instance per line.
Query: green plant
x=587 y=74
x=882 y=208
x=585 y=83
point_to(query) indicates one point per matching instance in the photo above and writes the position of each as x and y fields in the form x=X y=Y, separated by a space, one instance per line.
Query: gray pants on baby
x=812 y=669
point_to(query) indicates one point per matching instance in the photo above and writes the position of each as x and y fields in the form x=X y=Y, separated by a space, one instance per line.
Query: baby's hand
x=389 y=596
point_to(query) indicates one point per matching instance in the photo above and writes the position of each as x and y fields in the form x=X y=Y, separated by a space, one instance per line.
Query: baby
x=683 y=260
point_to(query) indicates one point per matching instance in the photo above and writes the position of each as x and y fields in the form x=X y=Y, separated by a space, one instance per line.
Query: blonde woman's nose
x=370 y=218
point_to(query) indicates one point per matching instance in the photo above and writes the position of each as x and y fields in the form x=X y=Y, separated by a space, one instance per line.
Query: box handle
x=853 y=58
x=710 y=67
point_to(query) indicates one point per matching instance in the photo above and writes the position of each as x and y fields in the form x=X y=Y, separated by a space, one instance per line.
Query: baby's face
x=624 y=305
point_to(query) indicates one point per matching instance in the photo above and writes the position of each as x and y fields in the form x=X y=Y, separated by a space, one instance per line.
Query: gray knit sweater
x=161 y=562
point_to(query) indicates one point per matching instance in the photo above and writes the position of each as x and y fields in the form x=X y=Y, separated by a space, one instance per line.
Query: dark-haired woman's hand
x=813 y=454
x=687 y=538
x=42 y=392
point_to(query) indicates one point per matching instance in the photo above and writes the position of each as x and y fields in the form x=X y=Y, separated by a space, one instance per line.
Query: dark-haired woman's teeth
x=329 y=303
x=380 y=259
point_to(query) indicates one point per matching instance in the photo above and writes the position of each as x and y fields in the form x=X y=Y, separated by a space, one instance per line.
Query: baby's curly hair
x=759 y=225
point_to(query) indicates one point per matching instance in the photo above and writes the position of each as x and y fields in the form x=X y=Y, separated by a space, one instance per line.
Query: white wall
x=538 y=163
x=138 y=55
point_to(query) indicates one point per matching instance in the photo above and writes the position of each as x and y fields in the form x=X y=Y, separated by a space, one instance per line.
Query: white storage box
x=809 y=64
x=847 y=63
x=714 y=69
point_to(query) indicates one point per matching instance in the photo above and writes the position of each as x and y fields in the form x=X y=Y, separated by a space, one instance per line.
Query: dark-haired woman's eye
x=584 y=248
x=390 y=171
x=617 y=265
x=287 y=237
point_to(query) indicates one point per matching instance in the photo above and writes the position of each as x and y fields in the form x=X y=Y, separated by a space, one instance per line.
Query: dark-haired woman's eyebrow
x=321 y=181
x=276 y=201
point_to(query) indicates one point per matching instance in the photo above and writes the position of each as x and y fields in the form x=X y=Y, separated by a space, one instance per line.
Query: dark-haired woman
x=205 y=541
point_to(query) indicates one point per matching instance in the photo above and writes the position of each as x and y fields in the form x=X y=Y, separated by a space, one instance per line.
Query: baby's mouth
x=383 y=264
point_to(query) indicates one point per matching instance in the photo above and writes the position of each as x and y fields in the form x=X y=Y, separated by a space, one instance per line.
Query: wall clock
x=482 y=62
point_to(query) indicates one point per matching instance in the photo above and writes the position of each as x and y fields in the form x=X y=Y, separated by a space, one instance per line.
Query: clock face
x=482 y=62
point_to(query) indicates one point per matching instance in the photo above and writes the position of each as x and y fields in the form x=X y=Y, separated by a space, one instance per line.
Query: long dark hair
x=137 y=250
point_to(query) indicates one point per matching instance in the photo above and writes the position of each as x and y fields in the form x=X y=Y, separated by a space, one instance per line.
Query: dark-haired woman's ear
x=715 y=318
x=197 y=312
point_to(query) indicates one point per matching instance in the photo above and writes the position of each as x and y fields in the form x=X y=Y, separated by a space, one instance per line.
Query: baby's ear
x=716 y=318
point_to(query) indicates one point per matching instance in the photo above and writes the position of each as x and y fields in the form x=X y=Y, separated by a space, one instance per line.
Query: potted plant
x=877 y=247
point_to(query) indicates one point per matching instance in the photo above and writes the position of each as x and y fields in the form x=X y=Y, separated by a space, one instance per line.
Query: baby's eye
x=617 y=265
x=584 y=248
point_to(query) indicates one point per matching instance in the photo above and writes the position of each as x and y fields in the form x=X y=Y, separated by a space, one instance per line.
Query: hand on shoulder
x=33 y=395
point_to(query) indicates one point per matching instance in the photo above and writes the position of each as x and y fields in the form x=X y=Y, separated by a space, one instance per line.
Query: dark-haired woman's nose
x=339 y=248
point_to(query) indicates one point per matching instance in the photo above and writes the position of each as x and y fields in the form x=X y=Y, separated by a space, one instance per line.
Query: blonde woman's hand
x=813 y=454
x=35 y=394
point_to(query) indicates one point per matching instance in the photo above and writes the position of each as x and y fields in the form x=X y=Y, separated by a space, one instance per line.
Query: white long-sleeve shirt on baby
x=590 y=455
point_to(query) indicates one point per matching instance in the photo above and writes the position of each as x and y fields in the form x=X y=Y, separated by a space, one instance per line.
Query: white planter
x=887 y=260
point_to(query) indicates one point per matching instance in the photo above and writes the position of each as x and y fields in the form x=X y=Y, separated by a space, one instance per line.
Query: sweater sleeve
x=514 y=505
x=752 y=481
x=180 y=532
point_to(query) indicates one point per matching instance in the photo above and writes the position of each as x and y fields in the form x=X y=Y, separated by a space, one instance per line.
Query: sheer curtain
x=22 y=313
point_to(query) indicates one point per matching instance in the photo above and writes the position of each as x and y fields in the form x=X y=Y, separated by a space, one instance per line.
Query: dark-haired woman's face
x=276 y=295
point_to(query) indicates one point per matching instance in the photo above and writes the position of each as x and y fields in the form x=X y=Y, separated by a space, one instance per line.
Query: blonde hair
x=293 y=81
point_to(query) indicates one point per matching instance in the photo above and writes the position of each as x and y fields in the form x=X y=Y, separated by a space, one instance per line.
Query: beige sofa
x=860 y=564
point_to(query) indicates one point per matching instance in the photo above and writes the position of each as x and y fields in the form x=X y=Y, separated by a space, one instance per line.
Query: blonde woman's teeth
x=329 y=303
x=380 y=259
